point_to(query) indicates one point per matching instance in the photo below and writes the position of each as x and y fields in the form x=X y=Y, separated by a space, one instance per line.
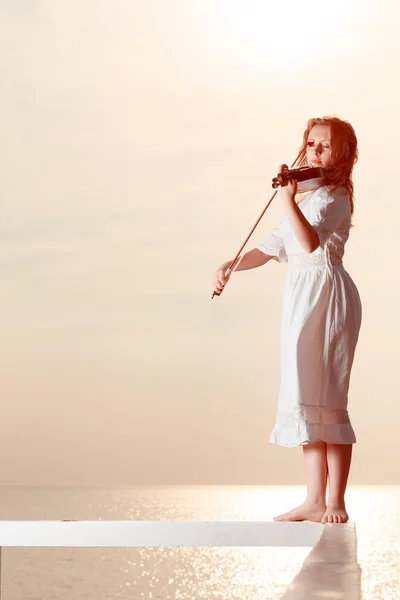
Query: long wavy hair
x=344 y=154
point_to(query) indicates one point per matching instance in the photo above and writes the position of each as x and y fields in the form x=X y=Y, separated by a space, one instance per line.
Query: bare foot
x=305 y=512
x=335 y=514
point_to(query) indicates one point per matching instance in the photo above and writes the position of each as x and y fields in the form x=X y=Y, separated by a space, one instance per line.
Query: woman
x=321 y=319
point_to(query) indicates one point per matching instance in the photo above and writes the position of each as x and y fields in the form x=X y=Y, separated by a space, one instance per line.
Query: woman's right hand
x=219 y=280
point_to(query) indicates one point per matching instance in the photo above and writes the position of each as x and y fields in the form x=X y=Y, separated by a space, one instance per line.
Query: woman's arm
x=251 y=260
x=303 y=230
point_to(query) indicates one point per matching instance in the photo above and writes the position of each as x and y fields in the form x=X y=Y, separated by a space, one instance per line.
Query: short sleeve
x=274 y=245
x=331 y=212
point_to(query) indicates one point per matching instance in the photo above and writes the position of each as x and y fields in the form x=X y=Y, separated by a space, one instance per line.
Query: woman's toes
x=335 y=515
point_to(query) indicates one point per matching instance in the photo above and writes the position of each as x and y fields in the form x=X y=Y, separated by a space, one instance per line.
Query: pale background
x=138 y=144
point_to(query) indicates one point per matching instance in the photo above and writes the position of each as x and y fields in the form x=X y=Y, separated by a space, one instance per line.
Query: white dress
x=321 y=319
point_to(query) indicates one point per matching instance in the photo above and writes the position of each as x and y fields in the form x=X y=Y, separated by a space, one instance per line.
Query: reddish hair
x=344 y=154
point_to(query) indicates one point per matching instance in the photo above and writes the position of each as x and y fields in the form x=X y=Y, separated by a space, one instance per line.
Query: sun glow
x=288 y=34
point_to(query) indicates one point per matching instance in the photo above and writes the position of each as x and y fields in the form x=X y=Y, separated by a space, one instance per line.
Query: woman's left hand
x=287 y=192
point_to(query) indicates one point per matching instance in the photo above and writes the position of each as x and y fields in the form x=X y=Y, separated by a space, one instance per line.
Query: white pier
x=330 y=567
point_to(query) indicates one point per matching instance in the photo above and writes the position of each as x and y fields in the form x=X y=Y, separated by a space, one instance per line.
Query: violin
x=308 y=179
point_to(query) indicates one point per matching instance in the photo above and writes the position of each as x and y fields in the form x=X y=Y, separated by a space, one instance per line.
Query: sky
x=138 y=144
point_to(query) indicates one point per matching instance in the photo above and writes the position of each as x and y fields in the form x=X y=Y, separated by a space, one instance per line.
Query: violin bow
x=232 y=267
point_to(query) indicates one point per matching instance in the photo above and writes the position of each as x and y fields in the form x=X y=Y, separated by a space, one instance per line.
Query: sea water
x=166 y=573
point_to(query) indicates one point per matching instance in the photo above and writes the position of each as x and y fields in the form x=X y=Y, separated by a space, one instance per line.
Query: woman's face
x=319 y=146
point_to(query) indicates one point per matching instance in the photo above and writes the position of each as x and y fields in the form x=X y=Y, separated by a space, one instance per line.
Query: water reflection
x=331 y=569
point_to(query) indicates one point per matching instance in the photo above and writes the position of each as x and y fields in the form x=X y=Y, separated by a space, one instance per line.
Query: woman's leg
x=314 y=507
x=339 y=460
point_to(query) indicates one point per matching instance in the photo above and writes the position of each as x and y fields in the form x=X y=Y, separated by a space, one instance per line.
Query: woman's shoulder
x=326 y=190
x=326 y=195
